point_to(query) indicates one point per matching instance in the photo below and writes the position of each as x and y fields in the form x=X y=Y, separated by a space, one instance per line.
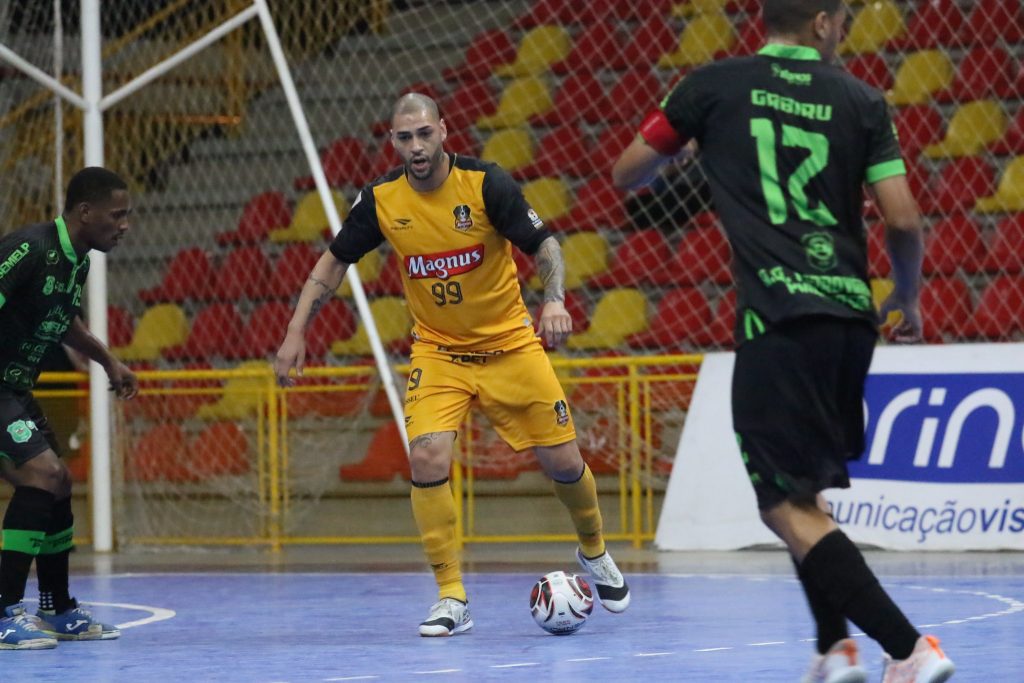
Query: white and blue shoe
x=75 y=623
x=19 y=630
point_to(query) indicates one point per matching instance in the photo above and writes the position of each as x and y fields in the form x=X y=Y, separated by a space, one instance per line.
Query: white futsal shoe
x=447 y=617
x=612 y=590
x=926 y=664
x=841 y=664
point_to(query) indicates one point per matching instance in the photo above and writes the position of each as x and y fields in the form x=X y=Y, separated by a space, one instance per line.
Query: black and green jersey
x=787 y=142
x=41 y=281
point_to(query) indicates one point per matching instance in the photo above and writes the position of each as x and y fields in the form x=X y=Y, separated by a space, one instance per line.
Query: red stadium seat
x=636 y=93
x=918 y=126
x=598 y=205
x=879 y=264
x=346 y=160
x=610 y=146
x=462 y=142
x=991 y=20
x=1006 y=249
x=1000 y=312
x=681 y=313
x=872 y=69
x=640 y=259
x=263 y=213
x=702 y=254
x=653 y=37
x=467 y=103
x=221 y=449
x=594 y=49
x=486 y=51
x=953 y=244
x=216 y=331
x=933 y=24
x=581 y=97
x=576 y=306
x=1012 y=141
x=157 y=455
x=750 y=37
x=548 y=12
x=292 y=269
x=958 y=186
x=563 y=151
x=266 y=328
x=189 y=275
x=634 y=10
x=120 y=326
x=984 y=71
x=389 y=282
x=244 y=274
x=334 y=321
x=719 y=333
x=945 y=307
x=384 y=159
x=385 y=457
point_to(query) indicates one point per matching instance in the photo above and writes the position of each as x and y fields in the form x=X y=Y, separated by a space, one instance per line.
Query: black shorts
x=797 y=405
x=24 y=430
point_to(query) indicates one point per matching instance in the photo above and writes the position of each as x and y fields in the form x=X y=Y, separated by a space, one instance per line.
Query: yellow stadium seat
x=876 y=24
x=881 y=288
x=241 y=397
x=310 y=219
x=393 y=324
x=920 y=75
x=549 y=197
x=161 y=326
x=539 y=49
x=684 y=10
x=700 y=40
x=369 y=268
x=510 y=149
x=973 y=127
x=523 y=98
x=585 y=254
x=619 y=313
x=1009 y=195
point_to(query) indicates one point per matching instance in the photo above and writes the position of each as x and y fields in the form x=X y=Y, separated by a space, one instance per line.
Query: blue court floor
x=735 y=617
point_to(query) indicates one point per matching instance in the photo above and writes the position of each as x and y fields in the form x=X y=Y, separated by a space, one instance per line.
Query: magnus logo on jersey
x=963 y=428
x=463 y=217
x=444 y=264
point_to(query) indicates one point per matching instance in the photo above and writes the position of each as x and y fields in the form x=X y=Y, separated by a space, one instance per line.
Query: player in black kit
x=788 y=141
x=42 y=272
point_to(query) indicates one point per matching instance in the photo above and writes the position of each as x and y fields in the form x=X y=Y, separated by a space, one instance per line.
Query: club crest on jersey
x=535 y=219
x=51 y=257
x=463 y=217
x=444 y=264
x=820 y=249
x=561 y=413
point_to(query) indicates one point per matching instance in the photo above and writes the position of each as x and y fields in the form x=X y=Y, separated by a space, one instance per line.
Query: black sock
x=25 y=523
x=830 y=622
x=52 y=562
x=837 y=569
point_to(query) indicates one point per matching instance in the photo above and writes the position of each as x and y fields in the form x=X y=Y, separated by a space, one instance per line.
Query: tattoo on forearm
x=551 y=269
x=319 y=302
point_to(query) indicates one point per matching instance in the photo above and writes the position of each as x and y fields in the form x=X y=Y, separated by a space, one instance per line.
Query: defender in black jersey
x=451 y=222
x=42 y=272
x=787 y=141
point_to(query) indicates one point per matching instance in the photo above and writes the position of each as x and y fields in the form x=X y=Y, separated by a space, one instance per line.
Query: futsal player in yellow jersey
x=452 y=221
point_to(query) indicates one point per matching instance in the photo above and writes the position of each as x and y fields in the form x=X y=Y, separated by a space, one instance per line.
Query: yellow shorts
x=517 y=390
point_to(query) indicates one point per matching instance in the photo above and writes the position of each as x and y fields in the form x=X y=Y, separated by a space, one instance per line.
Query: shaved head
x=415 y=103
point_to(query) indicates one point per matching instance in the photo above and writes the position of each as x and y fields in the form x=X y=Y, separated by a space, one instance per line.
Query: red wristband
x=659 y=134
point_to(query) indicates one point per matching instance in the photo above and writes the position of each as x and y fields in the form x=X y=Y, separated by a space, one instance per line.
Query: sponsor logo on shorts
x=21 y=430
x=561 y=413
x=445 y=264
x=463 y=217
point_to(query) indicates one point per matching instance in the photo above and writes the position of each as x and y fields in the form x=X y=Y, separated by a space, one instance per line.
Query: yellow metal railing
x=639 y=386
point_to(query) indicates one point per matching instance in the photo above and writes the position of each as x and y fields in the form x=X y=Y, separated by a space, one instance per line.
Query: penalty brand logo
x=445 y=264
x=955 y=428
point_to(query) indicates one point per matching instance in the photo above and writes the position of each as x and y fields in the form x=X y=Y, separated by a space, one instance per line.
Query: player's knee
x=430 y=459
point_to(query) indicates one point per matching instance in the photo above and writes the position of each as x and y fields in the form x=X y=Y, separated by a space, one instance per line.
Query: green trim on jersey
x=801 y=52
x=65 y=239
x=886 y=169
x=3 y=300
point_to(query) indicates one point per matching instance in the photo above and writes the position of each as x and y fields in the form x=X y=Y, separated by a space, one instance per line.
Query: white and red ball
x=560 y=603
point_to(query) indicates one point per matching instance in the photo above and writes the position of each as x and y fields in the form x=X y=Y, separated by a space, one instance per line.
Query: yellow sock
x=580 y=497
x=434 y=510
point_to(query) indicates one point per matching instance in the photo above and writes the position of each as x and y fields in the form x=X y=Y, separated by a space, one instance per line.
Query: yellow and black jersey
x=454 y=246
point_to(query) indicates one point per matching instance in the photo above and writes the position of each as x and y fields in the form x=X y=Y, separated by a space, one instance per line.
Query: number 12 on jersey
x=763 y=131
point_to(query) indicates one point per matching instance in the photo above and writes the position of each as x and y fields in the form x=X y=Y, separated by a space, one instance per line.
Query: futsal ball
x=560 y=603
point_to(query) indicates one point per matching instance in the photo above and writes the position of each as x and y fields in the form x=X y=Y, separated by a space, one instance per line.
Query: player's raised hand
x=908 y=329
x=292 y=354
x=123 y=381
x=555 y=324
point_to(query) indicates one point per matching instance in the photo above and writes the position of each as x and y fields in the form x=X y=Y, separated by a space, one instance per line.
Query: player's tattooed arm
x=551 y=269
x=325 y=294
x=324 y=279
